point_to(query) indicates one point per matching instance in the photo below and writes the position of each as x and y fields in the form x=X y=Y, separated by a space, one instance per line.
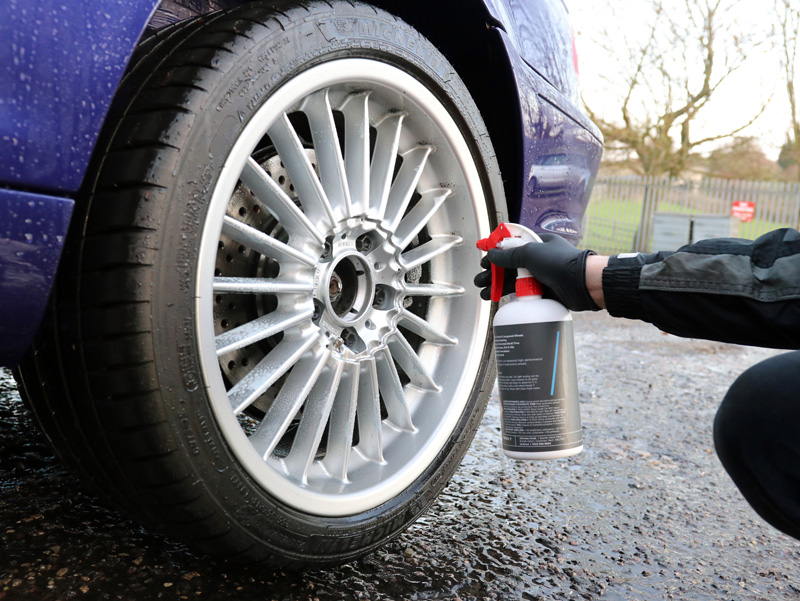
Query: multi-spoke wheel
x=335 y=331
x=287 y=214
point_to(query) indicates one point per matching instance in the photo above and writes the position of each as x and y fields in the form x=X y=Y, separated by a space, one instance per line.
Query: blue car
x=237 y=243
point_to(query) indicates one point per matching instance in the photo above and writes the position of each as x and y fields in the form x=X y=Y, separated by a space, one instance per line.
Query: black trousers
x=757 y=437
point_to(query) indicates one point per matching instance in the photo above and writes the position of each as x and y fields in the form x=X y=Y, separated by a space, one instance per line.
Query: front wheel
x=284 y=221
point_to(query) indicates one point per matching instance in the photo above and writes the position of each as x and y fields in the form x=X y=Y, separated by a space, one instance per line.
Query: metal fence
x=623 y=210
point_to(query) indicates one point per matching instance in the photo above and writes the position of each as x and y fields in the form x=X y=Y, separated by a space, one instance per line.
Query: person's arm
x=731 y=290
x=595 y=264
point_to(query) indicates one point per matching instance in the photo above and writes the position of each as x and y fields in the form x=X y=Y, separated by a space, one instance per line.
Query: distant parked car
x=237 y=242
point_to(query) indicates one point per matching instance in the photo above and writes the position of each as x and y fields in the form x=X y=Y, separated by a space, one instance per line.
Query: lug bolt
x=318 y=308
x=364 y=243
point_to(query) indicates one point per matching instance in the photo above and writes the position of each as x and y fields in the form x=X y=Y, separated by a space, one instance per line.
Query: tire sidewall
x=256 y=68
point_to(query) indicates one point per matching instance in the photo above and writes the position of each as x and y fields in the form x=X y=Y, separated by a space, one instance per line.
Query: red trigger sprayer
x=536 y=372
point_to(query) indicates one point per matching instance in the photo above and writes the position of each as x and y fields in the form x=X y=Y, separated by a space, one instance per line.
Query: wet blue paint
x=60 y=65
x=32 y=232
x=561 y=151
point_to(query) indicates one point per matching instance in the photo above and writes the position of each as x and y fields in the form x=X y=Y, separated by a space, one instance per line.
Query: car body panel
x=59 y=74
x=560 y=155
x=539 y=31
x=73 y=54
x=32 y=232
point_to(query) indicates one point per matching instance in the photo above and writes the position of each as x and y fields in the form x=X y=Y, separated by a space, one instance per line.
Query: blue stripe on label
x=555 y=364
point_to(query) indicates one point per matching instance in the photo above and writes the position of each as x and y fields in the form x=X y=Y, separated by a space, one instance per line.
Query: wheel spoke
x=284 y=408
x=405 y=184
x=261 y=286
x=356 y=155
x=422 y=328
x=342 y=423
x=412 y=365
x=329 y=153
x=370 y=436
x=418 y=217
x=425 y=252
x=301 y=172
x=433 y=290
x=263 y=243
x=383 y=161
x=392 y=393
x=277 y=202
x=269 y=369
x=313 y=421
x=258 y=329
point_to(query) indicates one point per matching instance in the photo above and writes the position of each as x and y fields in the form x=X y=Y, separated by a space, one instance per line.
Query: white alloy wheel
x=339 y=333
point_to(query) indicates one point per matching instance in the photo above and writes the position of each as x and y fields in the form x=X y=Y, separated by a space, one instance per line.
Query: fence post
x=641 y=239
x=797 y=214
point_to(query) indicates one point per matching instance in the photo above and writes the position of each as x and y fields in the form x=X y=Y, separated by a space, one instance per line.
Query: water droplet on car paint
x=29 y=237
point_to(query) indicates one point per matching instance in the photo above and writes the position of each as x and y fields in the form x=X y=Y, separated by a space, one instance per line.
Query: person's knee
x=755 y=434
x=745 y=416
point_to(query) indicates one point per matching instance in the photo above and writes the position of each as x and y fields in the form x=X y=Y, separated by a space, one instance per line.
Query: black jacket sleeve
x=731 y=290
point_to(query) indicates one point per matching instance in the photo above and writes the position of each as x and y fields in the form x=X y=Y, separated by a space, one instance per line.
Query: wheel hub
x=357 y=284
x=348 y=287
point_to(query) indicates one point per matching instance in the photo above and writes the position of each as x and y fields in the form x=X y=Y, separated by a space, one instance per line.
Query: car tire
x=263 y=338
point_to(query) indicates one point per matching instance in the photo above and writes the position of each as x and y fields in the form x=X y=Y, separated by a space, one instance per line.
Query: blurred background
x=697 y=100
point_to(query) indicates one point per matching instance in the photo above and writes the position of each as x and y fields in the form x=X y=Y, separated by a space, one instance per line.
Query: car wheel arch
x=477 y=52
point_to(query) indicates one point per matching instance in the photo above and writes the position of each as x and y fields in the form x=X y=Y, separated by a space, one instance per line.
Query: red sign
x=743 y=210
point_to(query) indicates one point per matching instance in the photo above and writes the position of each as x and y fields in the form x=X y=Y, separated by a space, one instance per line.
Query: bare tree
x=666 y=77
x=788 y=15
x=742 y=157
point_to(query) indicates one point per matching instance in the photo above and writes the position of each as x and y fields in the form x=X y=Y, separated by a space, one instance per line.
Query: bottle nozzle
x=503 y=232
x=498 y=273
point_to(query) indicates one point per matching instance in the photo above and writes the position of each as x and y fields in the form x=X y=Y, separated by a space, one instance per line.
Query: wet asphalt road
x=645 y=512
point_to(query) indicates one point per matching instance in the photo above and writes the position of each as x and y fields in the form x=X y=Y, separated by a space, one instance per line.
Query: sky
x=738 y=99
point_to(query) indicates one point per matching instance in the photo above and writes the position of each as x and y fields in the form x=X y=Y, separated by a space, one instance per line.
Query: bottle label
x=538 y=384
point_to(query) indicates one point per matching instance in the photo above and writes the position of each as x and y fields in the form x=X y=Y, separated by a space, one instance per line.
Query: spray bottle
x=536 y=371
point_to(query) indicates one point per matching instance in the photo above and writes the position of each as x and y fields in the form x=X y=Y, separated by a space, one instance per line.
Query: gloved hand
x=484 y=280
x=555 y=263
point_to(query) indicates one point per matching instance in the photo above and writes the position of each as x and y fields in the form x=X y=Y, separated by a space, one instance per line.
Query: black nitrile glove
x=484 y=280
x=555 y=263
